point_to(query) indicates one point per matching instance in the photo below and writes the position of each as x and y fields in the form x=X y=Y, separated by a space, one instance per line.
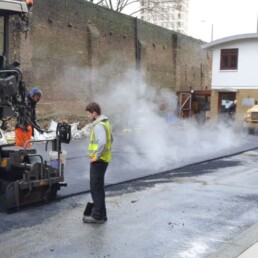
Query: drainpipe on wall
x=175 y=52
x=137 y=47
x=257 y=23
x=6 y=39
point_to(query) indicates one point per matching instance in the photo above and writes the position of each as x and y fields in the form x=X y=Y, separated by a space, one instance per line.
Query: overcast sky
x=227 y=17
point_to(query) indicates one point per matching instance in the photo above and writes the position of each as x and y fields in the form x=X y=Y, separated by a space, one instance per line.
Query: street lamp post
x=212 y=29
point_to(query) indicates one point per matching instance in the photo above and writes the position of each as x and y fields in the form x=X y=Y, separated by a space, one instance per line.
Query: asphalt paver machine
x=25 y=177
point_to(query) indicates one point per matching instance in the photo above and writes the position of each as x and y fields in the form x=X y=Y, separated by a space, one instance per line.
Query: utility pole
x=257 y=23
x=212 y=31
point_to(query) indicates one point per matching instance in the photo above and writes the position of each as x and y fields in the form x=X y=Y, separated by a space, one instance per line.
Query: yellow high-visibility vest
x=93 y=145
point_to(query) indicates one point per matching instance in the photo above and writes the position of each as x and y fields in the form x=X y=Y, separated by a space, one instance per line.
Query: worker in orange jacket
x=26 y=121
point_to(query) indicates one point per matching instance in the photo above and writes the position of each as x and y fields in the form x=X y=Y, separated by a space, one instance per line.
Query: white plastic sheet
x=51 y=134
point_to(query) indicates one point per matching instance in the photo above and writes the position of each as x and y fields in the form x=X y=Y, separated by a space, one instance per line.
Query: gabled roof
x=217 y=42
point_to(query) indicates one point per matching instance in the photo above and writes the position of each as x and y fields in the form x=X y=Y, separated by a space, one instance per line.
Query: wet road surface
x=189 y=212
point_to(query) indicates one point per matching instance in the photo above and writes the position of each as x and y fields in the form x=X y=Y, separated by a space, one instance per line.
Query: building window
x=229 y=59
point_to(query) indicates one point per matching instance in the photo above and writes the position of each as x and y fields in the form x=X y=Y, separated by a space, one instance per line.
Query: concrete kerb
x=238 y=245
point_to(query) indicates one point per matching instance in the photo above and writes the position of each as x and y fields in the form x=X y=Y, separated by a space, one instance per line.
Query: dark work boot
x=104 y=215
x=90 y=219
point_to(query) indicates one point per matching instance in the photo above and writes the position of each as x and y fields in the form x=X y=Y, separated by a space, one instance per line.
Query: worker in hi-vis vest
x=99 y=151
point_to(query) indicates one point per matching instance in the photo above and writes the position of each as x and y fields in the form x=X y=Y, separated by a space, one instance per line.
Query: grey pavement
x=245 y=245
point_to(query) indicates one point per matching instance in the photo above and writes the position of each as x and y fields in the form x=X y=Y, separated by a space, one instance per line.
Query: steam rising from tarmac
x=146 y=116
x=155 y=138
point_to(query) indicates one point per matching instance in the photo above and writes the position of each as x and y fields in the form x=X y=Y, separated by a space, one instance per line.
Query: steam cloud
x=140 y=112
x=154 y=140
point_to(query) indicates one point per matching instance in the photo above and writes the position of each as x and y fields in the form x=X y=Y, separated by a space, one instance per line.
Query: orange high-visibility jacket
x=22 y=136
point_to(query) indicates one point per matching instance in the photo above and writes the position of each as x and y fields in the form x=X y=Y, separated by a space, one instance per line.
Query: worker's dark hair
x=93 y=107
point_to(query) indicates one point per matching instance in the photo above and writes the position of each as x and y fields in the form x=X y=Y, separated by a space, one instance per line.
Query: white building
x=234 y=73
x=172 y=14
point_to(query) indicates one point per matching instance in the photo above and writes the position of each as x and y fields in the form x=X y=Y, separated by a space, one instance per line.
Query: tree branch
x=151 y=5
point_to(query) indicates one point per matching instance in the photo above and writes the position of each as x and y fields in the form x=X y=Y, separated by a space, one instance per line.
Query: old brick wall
x=75 y=49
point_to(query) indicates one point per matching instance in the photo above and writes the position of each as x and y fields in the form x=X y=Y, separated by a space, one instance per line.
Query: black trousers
x=97 y=188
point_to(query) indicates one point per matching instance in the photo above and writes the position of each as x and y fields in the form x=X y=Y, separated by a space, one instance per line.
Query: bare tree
x=115 y=5
x=136 y=6
x=167 y=13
